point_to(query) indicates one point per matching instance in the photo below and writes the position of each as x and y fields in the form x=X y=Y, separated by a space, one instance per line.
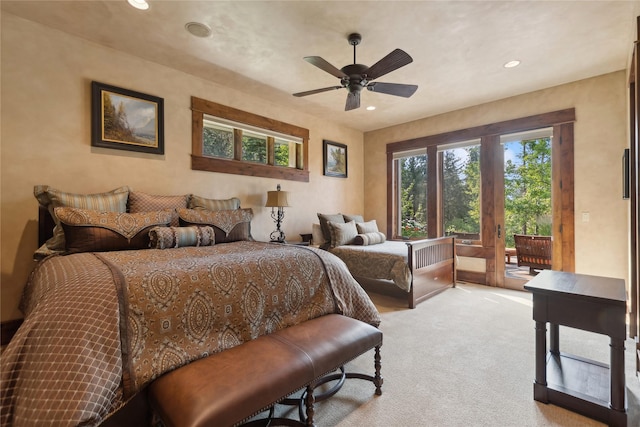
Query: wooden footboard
x=433 y=267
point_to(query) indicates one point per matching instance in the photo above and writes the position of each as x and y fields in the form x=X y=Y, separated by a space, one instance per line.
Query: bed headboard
x=45 y=225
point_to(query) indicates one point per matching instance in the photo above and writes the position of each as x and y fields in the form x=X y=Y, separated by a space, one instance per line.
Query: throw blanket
x=99 y=327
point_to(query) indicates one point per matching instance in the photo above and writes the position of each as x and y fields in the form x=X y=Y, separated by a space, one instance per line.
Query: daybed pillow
x=356 y=218
x=228 y=225
x=367 y=227
x=90 y=230
x=317 y=239
x=178 y=237
x=324 y=223
x=197 y=202
x=143 y=202
x=111 y=201
x=342 y=233
x=365 y=239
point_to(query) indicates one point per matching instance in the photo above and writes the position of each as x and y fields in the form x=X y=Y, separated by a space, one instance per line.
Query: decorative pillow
x=324 y=224
x=317 y=238
x=111 y=201
x=91 y=231
x=177 y=237
x=228 y=225
x=143 y=202
x=356 y=218
x=367 y=227
x=197 y=202
x=369 y=238
x=342 y=233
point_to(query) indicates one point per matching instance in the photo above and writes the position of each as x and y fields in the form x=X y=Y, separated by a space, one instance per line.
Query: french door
x=482 y=253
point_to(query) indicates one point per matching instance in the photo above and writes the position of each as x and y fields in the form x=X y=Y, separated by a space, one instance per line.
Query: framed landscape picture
x=126 y=120
x=334 y=157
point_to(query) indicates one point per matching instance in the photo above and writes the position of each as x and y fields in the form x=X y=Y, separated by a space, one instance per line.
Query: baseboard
x=471 y=276
x=8 y=329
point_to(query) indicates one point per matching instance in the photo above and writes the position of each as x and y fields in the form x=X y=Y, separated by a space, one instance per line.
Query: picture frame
x=124 y=119
x=334 y=159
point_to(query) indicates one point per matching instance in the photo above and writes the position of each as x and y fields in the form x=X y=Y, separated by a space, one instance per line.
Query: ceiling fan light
x=371 y=108
x=512 y=64
x=139 y=4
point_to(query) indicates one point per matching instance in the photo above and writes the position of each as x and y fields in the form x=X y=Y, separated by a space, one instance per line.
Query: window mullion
x=237 y=144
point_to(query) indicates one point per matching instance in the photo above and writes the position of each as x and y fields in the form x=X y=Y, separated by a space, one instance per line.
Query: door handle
x=499 y=230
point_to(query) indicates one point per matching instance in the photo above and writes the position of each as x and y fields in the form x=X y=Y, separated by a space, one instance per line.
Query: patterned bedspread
x=100 y=326
x=387 y=261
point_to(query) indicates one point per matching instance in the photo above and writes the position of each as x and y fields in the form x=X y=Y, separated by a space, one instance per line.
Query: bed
x=420 y=268
x=101 y=325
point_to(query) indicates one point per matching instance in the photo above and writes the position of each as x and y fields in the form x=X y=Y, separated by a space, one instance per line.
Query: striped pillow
x=111 y=201
x=197 y=202
x=366 y=239
x=178 y=237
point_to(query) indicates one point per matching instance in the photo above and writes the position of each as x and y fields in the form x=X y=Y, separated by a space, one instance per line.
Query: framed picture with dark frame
x=334 y=159
x=126 y=120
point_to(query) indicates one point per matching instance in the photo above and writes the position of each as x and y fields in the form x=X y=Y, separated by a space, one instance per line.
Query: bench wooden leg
x=377 y=381
x=309 y=401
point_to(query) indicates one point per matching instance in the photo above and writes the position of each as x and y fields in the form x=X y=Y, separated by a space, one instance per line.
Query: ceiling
x=458 y=47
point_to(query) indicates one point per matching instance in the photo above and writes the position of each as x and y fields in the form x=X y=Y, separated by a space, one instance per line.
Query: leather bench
x=230 y=387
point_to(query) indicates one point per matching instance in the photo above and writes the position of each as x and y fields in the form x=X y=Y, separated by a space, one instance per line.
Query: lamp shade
x=277 y=199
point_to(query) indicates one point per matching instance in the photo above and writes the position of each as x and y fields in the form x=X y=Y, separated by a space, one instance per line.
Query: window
x=527 y=183
x=461 y=190
x=411 y=170
x=217 y=139
x=254 y=147
x=227 y=140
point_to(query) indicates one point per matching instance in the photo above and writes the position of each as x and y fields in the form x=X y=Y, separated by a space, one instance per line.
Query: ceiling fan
x=355 y=77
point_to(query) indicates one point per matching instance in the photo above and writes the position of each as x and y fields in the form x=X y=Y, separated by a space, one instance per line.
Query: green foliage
x=282 y=154
x=217 y=142
x=254 y=149
x=413 y=197
x=461 y=192
x=528 y=190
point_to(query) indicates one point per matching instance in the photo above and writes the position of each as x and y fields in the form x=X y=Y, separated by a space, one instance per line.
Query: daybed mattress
x=387 y=260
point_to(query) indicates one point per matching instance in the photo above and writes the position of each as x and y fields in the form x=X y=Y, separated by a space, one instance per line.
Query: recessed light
x=198 y=29
x=139 y=4
x=512 y=64
x=371 y=108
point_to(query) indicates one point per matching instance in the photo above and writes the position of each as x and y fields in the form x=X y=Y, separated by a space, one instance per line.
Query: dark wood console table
x=591 y=303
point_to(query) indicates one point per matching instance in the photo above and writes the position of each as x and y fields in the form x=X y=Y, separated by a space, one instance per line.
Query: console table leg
x=617 y=375
x=540 y=385
x=554 y=338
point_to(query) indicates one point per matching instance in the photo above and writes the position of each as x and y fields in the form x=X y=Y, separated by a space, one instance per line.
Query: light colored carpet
x=462 y=358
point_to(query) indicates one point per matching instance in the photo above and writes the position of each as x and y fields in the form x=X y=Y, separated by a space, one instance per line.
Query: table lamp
x=277 y=199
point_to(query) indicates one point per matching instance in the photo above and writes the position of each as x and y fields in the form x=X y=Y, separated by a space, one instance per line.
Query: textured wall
x=601 y=134
x=46 y=139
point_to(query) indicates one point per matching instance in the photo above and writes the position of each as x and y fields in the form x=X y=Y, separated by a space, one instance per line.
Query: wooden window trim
x=200 y=107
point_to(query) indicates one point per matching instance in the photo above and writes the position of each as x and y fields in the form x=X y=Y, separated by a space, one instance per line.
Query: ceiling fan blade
x=312 y=92
x=393 y=89
x=325 y=66
x=396 y=59
x=353 y=101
